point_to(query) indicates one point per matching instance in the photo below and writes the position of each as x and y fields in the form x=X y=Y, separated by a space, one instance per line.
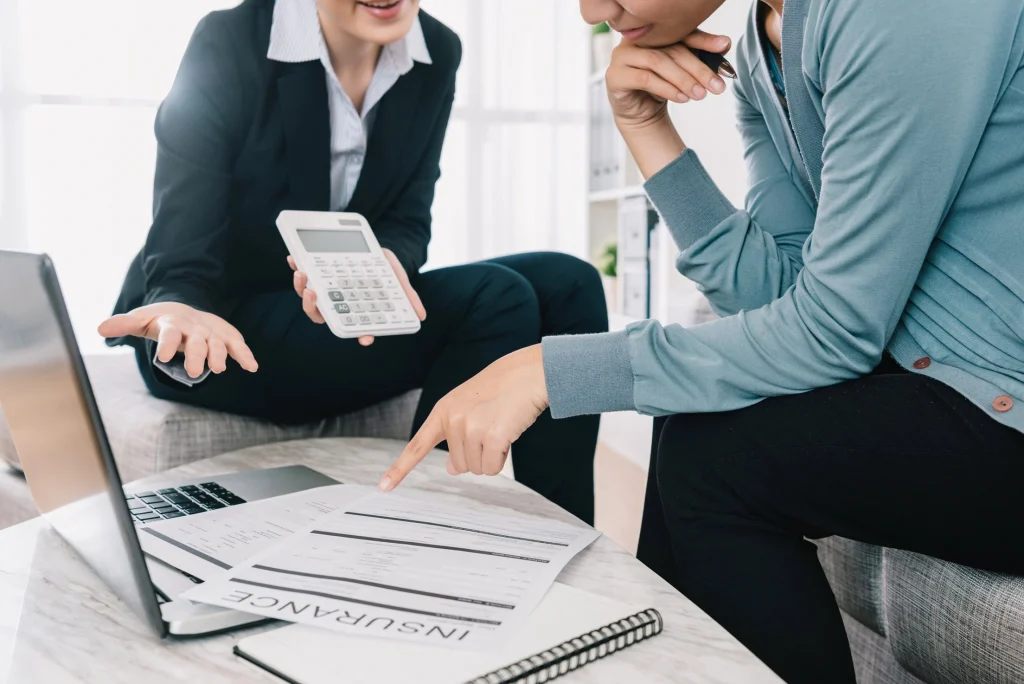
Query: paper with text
x=406 y=566
x=207 y=544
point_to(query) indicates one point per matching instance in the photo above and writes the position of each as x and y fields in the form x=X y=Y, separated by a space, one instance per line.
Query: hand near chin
x=642 y=80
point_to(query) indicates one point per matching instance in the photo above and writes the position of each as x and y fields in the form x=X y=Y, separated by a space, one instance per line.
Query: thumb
x=708 y=42
x=122 y=325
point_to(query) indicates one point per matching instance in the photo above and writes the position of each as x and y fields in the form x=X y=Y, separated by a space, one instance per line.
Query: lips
x=635 y=33
x=387 y=9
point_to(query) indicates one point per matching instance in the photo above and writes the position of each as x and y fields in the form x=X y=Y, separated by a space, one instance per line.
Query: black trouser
x=476 y=314
x=893 y=459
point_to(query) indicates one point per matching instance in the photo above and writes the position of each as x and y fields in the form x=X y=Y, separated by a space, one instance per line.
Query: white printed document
x=206 y=544
x=409 y=566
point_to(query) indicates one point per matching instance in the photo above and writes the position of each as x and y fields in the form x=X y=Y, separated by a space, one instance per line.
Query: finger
x=241 y=353
x=708 y=41
x=698 y=70
x=455 y=435
x=292 y=264
x=196 y=352
x=494 y=454
x=417 y=303
x=309 y=306
x=217 y=355
x=450 y=467
x=168 y=342
x=426 y=438
x=299 y=281
x=473 y=449
x=122 y=325
x=648 y=81
x=366 y=340
x=684 y=75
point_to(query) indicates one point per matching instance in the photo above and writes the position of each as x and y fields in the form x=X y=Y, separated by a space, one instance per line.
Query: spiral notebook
x=570 y=629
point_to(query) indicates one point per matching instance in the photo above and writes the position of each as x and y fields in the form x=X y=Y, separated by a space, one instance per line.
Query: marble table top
x=59 y=623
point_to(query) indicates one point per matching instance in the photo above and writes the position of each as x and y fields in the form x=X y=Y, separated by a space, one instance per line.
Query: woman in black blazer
x=330 y=105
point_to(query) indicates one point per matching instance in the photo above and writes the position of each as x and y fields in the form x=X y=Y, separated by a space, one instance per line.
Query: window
x=80 y=83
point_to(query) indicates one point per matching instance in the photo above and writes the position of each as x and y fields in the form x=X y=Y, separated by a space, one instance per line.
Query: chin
x=384 y=31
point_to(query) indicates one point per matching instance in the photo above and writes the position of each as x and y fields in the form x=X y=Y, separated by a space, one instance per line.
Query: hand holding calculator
x=358 y=292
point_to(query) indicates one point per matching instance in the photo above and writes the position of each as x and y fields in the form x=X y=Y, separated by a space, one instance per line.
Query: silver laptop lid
x=52 y=415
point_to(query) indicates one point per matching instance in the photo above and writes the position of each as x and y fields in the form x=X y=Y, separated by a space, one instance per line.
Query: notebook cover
x=300 y=654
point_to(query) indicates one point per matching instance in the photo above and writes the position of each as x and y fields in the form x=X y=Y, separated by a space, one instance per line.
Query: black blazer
x=241 y=137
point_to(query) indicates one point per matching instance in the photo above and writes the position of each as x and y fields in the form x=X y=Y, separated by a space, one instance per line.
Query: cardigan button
x=1003 y=404
x=922 y=363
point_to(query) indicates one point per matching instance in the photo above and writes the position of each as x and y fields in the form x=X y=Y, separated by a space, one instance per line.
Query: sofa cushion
x=854 y=570
x=150 y=435
x=873 y=659
x=950 y=624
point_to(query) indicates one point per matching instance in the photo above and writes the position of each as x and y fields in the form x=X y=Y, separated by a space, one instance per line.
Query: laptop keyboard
x=147 y=507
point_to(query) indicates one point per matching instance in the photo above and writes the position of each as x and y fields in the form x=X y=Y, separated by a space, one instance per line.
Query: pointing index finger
x=426 y=438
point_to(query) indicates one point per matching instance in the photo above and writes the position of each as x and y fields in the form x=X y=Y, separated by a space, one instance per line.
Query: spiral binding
x=575 y=653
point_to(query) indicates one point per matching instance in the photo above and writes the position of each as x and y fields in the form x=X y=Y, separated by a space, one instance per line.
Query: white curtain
x=80 y=83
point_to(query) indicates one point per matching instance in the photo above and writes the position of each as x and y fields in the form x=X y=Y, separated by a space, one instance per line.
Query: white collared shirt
x=295 y=36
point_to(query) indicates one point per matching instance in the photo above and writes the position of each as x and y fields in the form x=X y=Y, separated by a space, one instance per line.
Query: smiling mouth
x=379 y=5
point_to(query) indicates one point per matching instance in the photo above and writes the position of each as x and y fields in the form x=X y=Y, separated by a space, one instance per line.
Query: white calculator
x=357 y=291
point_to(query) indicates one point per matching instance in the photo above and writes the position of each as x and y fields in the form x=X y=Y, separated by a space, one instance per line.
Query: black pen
x=716 y=62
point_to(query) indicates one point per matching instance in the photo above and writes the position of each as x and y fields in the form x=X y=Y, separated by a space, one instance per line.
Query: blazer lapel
x=808 y=128
x=302 y=93
x=390 y=140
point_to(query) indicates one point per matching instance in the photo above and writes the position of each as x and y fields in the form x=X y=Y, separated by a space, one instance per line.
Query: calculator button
x=356 y=271
x=331 y=284
x=394 y=318
x=397 y=294
x=389 y=283
x=364 y=319
x=366 y=294
x=359 y=308
x=348 y=320
x=379 y=319
x=342 y=308
x=336 y=296
x=376 y=283
x=325 y=272
x=373 y=306
x=361 y=283
x=341 y=272
x=351 y=294
x=347 y=284
x=387 y=306
x=381 y=294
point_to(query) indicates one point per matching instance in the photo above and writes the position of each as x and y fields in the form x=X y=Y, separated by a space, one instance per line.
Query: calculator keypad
x=364 y=292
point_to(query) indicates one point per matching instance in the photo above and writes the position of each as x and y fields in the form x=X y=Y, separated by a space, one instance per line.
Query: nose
x=596 y=11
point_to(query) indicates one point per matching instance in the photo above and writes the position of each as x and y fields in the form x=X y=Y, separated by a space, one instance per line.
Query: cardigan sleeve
x=897 y=145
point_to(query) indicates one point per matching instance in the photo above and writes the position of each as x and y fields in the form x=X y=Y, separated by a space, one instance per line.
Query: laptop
x=63 y=449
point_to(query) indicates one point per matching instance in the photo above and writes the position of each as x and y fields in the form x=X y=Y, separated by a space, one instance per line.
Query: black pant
x=893 y=459
x=476 y=314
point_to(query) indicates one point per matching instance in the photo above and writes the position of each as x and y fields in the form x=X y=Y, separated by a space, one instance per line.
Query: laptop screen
x=50 y=410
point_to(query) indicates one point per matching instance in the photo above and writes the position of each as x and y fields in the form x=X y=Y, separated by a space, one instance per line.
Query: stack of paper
x=408 y=566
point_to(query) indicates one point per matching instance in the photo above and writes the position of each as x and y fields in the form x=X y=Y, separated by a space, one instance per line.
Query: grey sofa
x=148 y=435
x=914 y=619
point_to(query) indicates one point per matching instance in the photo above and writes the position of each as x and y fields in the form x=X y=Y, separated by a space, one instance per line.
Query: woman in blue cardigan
x=866 y=378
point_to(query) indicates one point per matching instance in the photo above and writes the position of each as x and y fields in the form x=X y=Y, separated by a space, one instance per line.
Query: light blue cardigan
x=892 y=217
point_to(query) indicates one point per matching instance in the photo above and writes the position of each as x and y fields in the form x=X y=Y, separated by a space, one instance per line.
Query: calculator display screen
x=333 y=240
